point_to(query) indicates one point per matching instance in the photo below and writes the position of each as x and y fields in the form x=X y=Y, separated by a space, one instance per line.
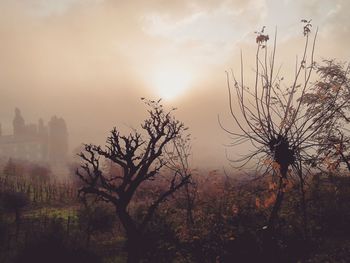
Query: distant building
x=36 y=142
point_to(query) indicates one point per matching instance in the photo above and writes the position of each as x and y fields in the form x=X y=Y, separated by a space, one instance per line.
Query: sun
x=170 y=82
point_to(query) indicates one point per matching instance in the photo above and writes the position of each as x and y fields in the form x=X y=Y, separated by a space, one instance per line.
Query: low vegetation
x=137 y=199
x=228 y=222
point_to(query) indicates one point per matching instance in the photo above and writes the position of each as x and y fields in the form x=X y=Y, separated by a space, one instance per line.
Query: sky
x=90 y=61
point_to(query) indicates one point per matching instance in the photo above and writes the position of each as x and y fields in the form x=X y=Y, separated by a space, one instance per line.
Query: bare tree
x=141 y=158
x=272 y=117
x=181 y=148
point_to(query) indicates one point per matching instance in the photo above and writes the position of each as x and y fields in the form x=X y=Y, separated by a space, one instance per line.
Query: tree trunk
x=134 y=238
x=133 y=258
x=303 y=205
x=134 y=245
x=275 y=210
x=277 y=206
x=269 y=242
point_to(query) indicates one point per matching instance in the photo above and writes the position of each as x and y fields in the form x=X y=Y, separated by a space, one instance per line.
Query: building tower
x=58 y=141
x=18 y=124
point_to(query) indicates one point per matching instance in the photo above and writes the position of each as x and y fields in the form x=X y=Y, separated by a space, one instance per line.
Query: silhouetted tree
x=141 y=158
x=181 y=148
x=272 y=117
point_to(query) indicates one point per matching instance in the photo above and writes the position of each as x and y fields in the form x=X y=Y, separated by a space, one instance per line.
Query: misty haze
x=174 y=131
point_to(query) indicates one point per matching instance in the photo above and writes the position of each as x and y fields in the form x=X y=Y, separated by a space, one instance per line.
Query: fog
x=90 y=62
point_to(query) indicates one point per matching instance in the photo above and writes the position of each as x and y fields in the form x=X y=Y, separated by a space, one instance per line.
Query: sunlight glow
x=171 y=82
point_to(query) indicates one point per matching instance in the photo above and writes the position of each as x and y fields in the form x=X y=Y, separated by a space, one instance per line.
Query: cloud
x=90 y=60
